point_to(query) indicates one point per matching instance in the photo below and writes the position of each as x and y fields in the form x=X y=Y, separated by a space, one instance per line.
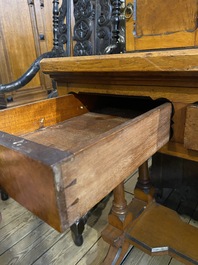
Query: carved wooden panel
x=19 y=47
x=162 y=24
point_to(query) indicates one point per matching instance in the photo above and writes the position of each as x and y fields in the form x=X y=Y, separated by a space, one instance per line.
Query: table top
x=185 y=60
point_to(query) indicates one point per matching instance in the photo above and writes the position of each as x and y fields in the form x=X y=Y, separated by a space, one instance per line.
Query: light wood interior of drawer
x=77 y=132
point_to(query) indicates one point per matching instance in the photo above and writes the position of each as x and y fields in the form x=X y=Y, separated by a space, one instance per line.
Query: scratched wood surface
x=26 y=240
x=170 y=60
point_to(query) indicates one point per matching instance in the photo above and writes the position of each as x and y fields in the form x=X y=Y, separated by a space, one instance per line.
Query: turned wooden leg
x=144 y=190
x=122 y=216
x=119 y=207
x=118 y=219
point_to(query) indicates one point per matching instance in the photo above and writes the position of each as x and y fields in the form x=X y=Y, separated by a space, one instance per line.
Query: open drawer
x=59 y=157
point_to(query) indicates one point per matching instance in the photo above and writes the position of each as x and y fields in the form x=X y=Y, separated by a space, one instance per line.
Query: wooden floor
x=27 y=240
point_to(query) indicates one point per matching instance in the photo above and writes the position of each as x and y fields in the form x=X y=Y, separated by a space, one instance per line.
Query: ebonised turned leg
x=77 y=230
x=4 y=195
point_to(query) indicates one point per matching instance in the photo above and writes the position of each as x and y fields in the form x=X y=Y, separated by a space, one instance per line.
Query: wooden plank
x=160 y=230
x=96 y=254
x=191 y=128
x=173 y=60
x=178 y=150
x=33 y=116
x=31 y=246
x=137 y=257
x=174 y=261
x=11 y=235
x=76 y=133
x=10 y=210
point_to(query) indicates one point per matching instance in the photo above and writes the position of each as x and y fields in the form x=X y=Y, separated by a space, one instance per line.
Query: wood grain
x=20 y=44
x=162 y=24
x=30 y=183
x=161 y=231
x=191 y=128
x=33 y=116
x=75 y=153
x=18 y=37
x=178 y=150
x=172 y=60
x=118 y=163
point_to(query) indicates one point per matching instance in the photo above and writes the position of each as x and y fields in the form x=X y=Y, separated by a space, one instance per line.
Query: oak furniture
x=149 y=75
x=60 y=157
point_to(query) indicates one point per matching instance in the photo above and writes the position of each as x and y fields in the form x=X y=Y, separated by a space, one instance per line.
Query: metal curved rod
x=27 y=76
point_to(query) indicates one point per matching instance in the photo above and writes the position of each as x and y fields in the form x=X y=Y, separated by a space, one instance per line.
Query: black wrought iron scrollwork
x=115 y=47
x=115 y=20
x=27 y=76
x=60 y=28
x=84 y=15
x=97 y=27
x=103 y=18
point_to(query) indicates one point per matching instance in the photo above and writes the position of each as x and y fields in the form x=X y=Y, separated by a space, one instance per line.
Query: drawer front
x=61 y=171
x=191 y=128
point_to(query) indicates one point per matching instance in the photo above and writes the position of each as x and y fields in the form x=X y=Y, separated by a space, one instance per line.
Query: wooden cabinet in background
x=25 y=33
x=157 y=24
